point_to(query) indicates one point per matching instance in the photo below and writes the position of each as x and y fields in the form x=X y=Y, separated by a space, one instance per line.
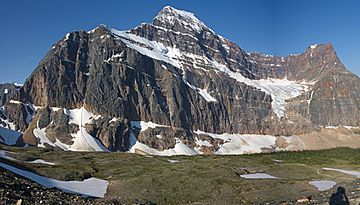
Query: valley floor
x=204 y=179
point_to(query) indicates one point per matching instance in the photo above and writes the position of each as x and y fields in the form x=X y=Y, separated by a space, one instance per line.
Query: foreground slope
x=200 y=179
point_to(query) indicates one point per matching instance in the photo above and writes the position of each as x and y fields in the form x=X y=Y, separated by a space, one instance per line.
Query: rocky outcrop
x=8 y=91
x=115 y=135
x=333 y=101
x=18 y=114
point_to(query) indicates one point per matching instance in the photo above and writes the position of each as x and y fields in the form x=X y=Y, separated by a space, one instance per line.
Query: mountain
x=174 y=86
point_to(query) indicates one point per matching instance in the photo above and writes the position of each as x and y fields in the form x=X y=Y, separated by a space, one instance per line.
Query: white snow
x=258 y=176
x=67 y=37
x=142 y=125
x=354 y=173
x=337 y=127
x=91 y=187
x=83 y=141
x=41 y=135
x=6 y=91
x=18 y=84
x=202 y=92
x=313 y=46
x=242 y=143
x=279 y=89
x=277 y=160
x=173 y=161
x=206 y=95
x=179 y=149
x=15 y=102
x=112 y=120
x=114 y=56
x=152 y=49
x=323 y=185
x=202 y=143
x=9 y=125
x=41 y=161
x=9 y=137
x=5 y=156
x=187 y=19
x=37 y=161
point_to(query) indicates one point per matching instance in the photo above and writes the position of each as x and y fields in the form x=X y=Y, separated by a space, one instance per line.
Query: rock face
x=8 y=91
x=179 y=73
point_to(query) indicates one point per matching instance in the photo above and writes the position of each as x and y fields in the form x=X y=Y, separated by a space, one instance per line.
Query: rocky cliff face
x=181 y=76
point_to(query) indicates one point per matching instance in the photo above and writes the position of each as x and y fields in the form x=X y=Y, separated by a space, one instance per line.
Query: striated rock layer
x=178 y=73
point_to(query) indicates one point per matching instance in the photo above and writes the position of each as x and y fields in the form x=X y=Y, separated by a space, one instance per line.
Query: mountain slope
x=181 y=82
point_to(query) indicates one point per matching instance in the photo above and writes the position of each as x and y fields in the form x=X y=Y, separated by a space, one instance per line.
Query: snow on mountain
x=142 y=125
x=279 y=89
x=242 y=143
x=83 y=141
x=187 y=19
x=179 y=149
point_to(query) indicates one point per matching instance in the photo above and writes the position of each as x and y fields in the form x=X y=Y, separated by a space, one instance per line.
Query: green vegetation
x=197 y=179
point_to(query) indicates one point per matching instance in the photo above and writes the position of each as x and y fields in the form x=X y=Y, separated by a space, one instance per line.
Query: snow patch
x=258 y=176
x=18 y=84
x=323 y=185
x=313 y=46
x=83 y=140
x=37 y=161
x=349 y=172
x=202 y=143
x=202 y=92
x=41 y=135
x=242 y=143
x=179 y=149
x=91 y=187
x=67 y=37
x=41 y=161
x=173 y=161
x=142 y=125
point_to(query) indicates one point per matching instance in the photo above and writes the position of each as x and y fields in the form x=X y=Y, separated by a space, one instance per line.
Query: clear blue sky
x=279 y=27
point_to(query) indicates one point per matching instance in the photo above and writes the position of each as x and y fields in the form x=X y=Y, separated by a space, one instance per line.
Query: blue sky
x=279 y=27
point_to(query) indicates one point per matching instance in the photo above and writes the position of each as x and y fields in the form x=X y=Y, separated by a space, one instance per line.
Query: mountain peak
x=325 y=50
x=175 y=19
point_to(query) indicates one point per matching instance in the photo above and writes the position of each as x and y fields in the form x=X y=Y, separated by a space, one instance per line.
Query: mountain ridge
x=186 y=85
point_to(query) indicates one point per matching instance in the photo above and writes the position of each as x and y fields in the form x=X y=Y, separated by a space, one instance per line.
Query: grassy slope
x=198 y=179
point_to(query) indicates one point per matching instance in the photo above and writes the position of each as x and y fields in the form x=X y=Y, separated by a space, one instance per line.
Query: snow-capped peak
x=170 y=16
x=313 y=46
